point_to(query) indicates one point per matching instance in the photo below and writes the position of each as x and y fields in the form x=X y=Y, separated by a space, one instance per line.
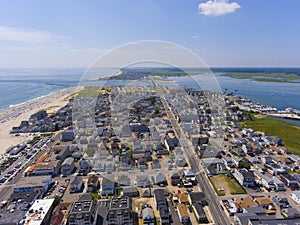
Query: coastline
x=13 y=116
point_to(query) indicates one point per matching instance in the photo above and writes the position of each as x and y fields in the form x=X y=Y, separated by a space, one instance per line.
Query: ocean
x=21 y=85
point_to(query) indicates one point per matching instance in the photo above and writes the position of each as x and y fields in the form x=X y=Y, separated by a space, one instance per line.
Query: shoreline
x=13 y=116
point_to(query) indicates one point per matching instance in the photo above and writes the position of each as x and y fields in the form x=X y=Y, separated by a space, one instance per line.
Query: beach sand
x=13 y=116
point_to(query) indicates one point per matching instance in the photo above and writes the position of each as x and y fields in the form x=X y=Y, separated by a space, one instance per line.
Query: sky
x=224 y=33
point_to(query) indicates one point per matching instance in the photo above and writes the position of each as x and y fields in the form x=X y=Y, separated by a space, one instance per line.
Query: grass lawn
x=223 y=185
x=89 y=91
x=265 y=77
x=289 y=133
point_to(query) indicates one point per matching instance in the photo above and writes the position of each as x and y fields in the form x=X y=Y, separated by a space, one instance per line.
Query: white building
x=40 y=212
x=296 y=196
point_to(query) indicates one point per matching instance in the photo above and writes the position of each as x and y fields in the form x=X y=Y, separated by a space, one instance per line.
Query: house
x=143 y=181
x=68 y=166
x=123 y=180
x=244 y=177
x=83 y=211
x=171 y=143
x=281 y=202
x=38 y=116
x=197 y=197
x=120 y=211
x=295 y=196
x=160 y=179
x=267 y=204
x=176 y=179
x=289 y=181
x=130 y=192
x=199 y=213
x=85 y=166
x=183 y=213
x=93 y=183
x=161 y=205
x=76 y=185
x=180 y=160
x=279 y=185
x=67 y=135
x=108 y=187
x=148 y=215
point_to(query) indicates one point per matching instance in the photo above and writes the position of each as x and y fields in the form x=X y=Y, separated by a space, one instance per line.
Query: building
x=296 y=196
x=289 y=181
x=30 y=184
x=264 y=180
x=197 y=197
x=131 y=192
x=67 y=166
x=183 y=213
x=120 y=211
x=148 y=215
x=108 y=187
x=199 y=213
x=40 y=212
x=161 y=205
x=244 y=177
x=84 y=166
x=93 y=183
x=83 y=211
x=46 y=168
x=67 y=135
x=26 y=198
x=38 y=116
x=176 y=179
x=279 y=185
x=76 y=185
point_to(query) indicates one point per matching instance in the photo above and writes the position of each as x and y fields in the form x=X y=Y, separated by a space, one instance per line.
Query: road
x=6 y=188
x=217 y=212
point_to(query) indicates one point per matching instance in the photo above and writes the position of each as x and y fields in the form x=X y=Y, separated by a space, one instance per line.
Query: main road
x=217 y=212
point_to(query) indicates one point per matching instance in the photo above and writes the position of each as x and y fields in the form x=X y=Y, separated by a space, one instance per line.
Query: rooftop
x=38 y=211
x=119 y=203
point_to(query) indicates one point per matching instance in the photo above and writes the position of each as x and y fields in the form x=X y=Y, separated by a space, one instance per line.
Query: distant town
x=150 y=155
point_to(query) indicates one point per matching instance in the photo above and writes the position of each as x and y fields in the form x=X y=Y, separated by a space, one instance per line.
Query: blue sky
x=73 y=33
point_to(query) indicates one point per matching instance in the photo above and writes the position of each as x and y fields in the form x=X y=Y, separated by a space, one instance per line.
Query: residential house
x=162 y=206
x=295 y=196
x=107 y=187
x=183 y=213
x=176 y=179
x=197 y=197
x=76 y=185
x=160 y=179
x=93 y=183
x=244 y=177
x=68 y=166
x=130 y=192
x=199 y=213
x=148 y=215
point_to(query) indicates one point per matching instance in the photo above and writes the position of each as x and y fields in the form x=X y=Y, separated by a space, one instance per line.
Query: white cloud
x=195 y=36
x=218 y=7
x=12 y=34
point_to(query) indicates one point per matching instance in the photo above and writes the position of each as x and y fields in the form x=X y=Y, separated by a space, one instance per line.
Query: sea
x=20 y=85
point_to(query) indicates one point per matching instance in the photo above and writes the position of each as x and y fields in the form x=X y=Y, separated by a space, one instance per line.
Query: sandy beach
x=12 y=116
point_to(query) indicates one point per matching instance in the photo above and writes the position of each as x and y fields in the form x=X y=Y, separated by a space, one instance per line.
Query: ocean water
x=20 y=85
